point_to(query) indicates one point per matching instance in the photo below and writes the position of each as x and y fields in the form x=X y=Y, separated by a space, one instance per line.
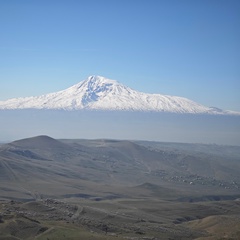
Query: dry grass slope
x=110 y=189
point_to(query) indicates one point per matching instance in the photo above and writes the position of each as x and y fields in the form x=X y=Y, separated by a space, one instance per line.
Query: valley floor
x=119 y=219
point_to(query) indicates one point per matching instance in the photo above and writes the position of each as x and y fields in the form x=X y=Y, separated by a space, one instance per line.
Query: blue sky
x=184 y=48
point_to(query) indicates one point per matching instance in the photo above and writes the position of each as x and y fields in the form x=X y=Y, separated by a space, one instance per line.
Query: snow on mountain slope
x=100 y=93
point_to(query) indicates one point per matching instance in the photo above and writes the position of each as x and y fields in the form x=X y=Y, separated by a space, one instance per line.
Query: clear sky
x=183 y=47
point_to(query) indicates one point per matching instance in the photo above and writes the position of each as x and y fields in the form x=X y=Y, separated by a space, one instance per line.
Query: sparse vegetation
x=102 y=189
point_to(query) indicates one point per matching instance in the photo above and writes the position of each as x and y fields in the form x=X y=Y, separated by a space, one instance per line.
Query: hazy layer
x=16 y=124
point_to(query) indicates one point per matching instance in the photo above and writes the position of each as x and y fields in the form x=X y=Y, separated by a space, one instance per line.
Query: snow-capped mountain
x=100 y=93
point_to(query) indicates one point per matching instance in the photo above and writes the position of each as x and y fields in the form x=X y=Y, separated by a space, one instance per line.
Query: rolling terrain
x=112 y=189
x=79 y=163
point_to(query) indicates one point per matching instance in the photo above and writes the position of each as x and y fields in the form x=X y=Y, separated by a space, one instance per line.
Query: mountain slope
x=100 y=93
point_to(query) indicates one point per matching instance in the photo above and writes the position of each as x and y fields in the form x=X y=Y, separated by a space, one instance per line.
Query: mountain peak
x=99 y=79
x=100 y=93
x=93 y=89
x=98 y=82
x=95 y=84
